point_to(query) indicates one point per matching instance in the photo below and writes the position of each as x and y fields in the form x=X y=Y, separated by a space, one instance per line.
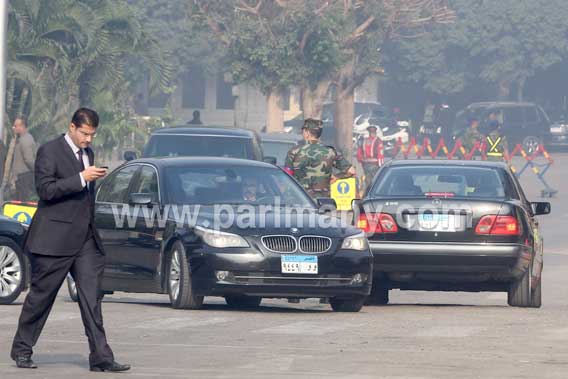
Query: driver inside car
x=250 y=189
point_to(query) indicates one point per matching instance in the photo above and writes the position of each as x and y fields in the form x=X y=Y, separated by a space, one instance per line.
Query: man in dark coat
x=63 y=238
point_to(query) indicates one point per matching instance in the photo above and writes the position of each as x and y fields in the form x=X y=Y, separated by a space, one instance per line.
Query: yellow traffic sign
x=22 y=212
x=343 y=191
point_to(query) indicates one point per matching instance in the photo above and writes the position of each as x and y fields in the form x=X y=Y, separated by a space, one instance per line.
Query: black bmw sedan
x=240 y=229
x=453 y=226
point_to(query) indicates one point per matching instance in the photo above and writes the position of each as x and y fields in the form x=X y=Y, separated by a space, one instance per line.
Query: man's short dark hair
x=316 y=133
x=85 y=116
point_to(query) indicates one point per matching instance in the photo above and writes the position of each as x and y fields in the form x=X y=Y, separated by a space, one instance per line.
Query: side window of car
x=513 y=115
x=147 y=182
x=531 y=115
x=115 y=188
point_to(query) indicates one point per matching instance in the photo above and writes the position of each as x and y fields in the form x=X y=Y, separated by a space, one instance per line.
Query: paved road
x=420 y=335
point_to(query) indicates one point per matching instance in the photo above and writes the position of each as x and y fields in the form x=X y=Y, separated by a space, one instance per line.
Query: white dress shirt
x=76 y=151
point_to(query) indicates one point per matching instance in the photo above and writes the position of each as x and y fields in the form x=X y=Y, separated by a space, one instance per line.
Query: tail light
x=377 y=223
x=498 y=225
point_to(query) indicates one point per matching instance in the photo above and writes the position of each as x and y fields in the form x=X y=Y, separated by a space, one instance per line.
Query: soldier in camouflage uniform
x=472 y=135
x=312 y=164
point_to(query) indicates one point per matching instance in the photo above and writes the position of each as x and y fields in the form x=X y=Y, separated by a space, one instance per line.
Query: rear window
x=198 y=145
x=445 y=181
x=278 y=150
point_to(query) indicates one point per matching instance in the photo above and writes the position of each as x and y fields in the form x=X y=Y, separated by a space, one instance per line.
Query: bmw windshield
x=234 y=185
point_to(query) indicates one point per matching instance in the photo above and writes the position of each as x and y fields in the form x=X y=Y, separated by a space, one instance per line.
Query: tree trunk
x=504 y=90
x=344 y=111
x=521 y=90
x=313 y=99
x=274 y=112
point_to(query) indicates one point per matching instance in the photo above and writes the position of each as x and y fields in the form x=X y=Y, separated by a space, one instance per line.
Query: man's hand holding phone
x=92 y=173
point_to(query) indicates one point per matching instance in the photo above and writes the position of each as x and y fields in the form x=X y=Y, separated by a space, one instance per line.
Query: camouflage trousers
x=318 y=193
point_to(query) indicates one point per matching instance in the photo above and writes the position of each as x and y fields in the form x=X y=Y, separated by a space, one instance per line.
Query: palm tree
x=63 y=53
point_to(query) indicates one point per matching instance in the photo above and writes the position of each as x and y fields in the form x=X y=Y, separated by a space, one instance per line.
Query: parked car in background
x=453 y=226
x=188 y=141
x=559 y=134
x=523 y=123
x=277 y=145
x=280 y=255
x=14 y=265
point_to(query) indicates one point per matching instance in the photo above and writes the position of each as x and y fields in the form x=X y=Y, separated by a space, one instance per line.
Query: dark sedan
x=14 y=267
x=240 y=229
x=453 y=226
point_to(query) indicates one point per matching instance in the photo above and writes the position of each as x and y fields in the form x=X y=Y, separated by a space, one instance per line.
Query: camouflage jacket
x=312 y=165
x=471 y=137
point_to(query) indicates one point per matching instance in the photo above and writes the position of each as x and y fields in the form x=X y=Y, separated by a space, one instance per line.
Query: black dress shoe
x=110 y=366
x=25 y=361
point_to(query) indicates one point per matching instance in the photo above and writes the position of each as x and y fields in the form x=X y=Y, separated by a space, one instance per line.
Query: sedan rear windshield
x=442 y=181
x=277 y=149
x=198 y=145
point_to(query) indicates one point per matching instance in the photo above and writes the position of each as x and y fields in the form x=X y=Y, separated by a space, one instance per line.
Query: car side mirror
x=326 y=204
x=541 y=208
x=129 y=155
x=271 y=160
x=140 y=199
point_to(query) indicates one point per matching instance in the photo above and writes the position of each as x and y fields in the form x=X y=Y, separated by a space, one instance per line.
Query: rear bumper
x=449 y=262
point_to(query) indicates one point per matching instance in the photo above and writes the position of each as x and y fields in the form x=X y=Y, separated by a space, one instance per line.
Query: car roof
x=162 y=163
x=283 y=137
x=443 y=162
x=503 y=104
x=206 y=130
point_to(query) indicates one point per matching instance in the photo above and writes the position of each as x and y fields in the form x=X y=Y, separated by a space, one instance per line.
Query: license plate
x=299 y=264
x=439 y=223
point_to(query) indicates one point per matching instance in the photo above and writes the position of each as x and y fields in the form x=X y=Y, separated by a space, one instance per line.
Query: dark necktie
x=81 y=159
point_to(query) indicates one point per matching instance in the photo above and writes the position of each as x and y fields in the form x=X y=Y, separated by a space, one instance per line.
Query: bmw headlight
x=356 y=242
x=215 y=238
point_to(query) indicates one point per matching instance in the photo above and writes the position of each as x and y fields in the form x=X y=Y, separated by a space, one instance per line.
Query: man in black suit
x=63 y=238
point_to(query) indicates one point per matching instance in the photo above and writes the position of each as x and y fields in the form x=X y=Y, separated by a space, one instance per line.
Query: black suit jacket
x=65 y=209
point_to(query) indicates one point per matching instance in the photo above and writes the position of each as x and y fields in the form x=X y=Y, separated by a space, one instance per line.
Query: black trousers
x=48 y=273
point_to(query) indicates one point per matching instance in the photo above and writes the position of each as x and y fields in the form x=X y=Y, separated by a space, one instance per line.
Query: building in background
x=222 y=104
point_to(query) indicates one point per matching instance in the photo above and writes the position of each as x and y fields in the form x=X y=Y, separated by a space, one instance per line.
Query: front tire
x=179 y=283
x=347 y=305
x=241 y=301
x=12 y=271
x=379 y=294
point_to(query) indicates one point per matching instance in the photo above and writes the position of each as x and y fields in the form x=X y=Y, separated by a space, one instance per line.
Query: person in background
x=312 y=164
x=18 y=179
x=496 y=144
x=196 y=120
x=370 y=154
x=472 y=135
